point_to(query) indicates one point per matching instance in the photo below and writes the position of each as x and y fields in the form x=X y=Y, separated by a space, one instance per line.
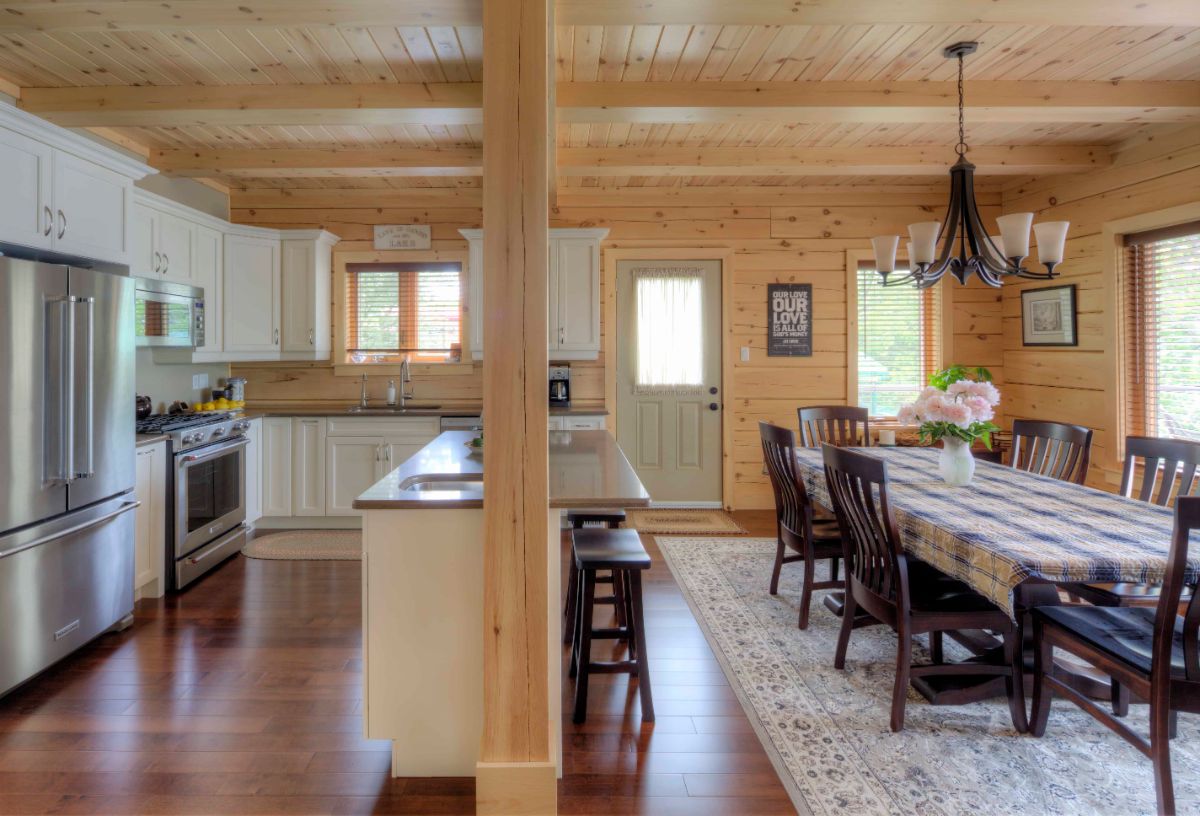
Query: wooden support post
x=516 y=772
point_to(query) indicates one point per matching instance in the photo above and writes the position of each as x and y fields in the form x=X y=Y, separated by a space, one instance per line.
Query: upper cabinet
x=162 y=241
x=63 y=192
x=307 y=276
x=573 y=320
x=251 y=308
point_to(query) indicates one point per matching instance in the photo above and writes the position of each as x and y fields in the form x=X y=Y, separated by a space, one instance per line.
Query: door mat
x=306 y=545
x=683 y=522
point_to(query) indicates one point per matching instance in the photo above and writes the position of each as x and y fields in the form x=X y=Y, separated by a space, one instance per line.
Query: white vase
x=955 y=462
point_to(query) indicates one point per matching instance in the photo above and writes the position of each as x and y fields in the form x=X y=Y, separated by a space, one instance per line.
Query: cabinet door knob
x=562 y=333
x=62 y=224
x=712 y=406
x=49 y=221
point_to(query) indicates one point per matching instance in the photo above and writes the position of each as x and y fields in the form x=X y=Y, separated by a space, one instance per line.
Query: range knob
x=218 y=433
x=241 y=425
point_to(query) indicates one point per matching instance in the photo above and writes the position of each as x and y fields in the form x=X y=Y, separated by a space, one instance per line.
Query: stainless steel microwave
x=168 y=314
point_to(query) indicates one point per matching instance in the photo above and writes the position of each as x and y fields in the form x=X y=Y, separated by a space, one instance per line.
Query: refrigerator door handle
x=83 y=401
x=58 y=351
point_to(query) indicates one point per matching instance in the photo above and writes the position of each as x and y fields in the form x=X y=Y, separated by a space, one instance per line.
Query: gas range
x=187 y=431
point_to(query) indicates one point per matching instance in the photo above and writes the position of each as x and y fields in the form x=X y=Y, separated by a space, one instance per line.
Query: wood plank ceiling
x=1164 y=59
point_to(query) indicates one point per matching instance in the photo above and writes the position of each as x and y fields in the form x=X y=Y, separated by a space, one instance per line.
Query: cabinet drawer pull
x=158 y=263
x=310 y=337
x=49 y=221
x=276 y=336
x=166 y=263
x=62 y=224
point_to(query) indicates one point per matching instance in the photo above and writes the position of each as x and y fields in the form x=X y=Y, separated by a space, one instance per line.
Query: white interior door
x=669 y=390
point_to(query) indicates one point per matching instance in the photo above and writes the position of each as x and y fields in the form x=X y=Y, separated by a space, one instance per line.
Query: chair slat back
x=1187 y=520
x=1053 y=449
x=1170 y=465
x=846 y=426
x=792 y=506
x=858 y=485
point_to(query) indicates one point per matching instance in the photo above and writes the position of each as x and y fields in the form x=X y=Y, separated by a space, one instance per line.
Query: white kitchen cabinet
x=150 y=489
x=26 y=216
x=308 y=466
x=573 y=320
x=162 y=244
x=354 y=463
x=63 y=192
x=575 y=422
x=207 y=252
x=251 y=302
x=174 y=245
x=307 y=274
x=254 y=470
x=144 y=261
x=276 y=467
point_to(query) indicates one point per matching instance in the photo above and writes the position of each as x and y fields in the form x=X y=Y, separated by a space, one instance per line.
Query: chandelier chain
x=961 y=147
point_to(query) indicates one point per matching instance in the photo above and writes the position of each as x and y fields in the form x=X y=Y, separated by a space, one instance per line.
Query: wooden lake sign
x=403 y=236
x=789 y=327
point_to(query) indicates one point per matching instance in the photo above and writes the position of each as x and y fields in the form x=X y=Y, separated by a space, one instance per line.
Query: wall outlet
x=745 y=354
x=199 y=381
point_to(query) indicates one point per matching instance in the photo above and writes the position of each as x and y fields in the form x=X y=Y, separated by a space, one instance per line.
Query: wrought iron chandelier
x=966 y=248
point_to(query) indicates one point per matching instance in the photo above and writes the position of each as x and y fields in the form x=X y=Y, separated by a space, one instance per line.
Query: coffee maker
x=560 y=386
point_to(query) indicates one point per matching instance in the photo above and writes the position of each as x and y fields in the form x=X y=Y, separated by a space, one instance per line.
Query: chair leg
x=1043 y=665
x=1120 y=699
x=618 y=585
x=584 y=644
x=1014 y=683
x=843 y=642
x=810 y=567
x=572 y=600
x=900 y=689
x=1160 y=754
x=634 y=580
x=779 y=550
x=935 y=648
x=833 y=568
x=574 y=671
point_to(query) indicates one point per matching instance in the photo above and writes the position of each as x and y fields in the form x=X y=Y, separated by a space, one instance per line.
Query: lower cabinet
x=308 y=466
x=254 y=472
x=353 y=463
x=276 y=491
x=150 y=523
x=577 y=422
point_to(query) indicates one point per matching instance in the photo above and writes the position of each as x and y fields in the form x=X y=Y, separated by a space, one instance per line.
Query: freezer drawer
x=62 y=584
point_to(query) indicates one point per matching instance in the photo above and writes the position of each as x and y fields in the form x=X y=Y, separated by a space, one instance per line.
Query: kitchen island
x=422 y=565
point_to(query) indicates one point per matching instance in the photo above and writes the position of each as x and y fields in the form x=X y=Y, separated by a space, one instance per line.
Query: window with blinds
x=1162 y=332
x=898 y=343
x=393 y=310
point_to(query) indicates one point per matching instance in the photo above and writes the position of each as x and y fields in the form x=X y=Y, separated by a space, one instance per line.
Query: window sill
x=459 y=369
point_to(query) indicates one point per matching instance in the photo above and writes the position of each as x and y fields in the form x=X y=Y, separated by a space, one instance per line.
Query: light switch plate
x=745 y=354
x=199 y=381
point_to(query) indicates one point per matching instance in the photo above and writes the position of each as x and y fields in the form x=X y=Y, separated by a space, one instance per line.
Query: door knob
x=712 y=406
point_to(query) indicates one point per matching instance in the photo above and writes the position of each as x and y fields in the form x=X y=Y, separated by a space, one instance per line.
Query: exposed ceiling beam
x=1013 y=101
x=300 y=162
x=130 y=15
x=448 y=103
x=606 y=102
x=808 y=161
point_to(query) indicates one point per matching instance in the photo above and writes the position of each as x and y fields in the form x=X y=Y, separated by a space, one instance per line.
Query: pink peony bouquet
x=955 y=406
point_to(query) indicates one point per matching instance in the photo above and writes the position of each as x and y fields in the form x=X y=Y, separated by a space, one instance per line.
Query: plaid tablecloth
x=1008 y=526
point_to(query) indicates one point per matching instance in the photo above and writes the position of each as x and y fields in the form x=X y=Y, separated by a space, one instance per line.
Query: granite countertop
x=299 y=409
x=587 y=469
x=150 y=439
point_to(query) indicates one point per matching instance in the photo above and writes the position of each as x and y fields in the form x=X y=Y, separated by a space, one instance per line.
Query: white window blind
x=1162 y=332
x=670 y=330
x=898 y=342
x=403 y=309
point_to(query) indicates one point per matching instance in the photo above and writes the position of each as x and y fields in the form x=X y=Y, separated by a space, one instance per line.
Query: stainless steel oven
x=210 y=506
x=168 y=314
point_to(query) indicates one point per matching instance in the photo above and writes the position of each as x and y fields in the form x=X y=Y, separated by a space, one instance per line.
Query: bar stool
x=578 y=519
x=620 y=551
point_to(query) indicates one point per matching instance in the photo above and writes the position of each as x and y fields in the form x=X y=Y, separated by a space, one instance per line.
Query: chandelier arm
x=990 y=257
x=948 y=232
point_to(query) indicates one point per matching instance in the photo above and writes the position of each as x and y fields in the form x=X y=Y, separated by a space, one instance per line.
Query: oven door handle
x=211 y=452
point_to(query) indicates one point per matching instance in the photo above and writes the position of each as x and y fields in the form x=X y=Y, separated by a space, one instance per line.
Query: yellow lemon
x=210 y=406
x=197 y=406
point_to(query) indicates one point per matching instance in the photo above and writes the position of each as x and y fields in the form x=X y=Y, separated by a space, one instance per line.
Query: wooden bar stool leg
x=618 y=583
x=639 y=638
x=572 y=601
x=584 y=644
x=578 y=624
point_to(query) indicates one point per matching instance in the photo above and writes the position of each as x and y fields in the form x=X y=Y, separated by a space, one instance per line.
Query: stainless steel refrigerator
x=66 y=461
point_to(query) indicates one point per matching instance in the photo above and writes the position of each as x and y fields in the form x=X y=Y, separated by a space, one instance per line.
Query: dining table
x=1014 y=537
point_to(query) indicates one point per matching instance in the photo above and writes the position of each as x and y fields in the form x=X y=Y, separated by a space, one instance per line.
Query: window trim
x=342 y=259
x=943 y=299
x=1116 y=341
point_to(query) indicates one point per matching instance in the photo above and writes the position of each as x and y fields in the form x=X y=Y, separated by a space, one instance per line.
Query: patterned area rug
x=683 y=522
x=306 y=545
x=827 y=730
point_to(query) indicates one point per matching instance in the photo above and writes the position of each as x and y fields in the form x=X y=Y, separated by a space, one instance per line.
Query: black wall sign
x=789 y=312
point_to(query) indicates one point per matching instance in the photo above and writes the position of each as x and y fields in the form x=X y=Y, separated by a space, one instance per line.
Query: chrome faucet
x=405 y=382
x=362 y=399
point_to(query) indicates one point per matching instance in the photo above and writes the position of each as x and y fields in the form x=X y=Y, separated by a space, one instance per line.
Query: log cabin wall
x=795 y=237
x=1080 y=384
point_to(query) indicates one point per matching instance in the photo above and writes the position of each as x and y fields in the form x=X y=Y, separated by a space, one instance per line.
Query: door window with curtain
x=898 y=343
x=670 y=330
x=403 y=309
x=1162 y=332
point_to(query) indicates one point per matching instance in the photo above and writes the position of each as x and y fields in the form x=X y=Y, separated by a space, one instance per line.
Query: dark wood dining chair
x=841 y=425
x=797 y=529
x=1152 y=651
x=1053 y=449
x=904 y=592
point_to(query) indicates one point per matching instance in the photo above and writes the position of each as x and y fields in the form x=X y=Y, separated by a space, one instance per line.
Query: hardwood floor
x=243 y=695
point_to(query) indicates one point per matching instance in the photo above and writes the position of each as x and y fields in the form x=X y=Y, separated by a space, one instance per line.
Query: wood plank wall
x=804 y=243
x=1078 y=384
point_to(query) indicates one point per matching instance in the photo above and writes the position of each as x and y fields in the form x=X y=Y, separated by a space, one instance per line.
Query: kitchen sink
x=392 y=411
x=444 y=482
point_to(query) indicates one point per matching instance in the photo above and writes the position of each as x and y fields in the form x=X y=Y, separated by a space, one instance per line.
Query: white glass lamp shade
x=924 y=241
x=1051 y=241
x=908 y=254
x=885 y=252
x=1014 y=234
